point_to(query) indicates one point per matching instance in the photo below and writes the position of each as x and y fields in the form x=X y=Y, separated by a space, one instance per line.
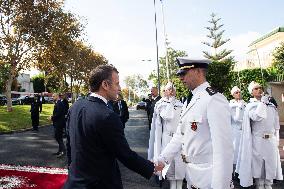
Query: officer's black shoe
x=61 y=154
x=56 y=154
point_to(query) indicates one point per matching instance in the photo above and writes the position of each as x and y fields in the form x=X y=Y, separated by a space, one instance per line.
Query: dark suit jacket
x=35 y=109
x=123 y=113
x=66 y=105
x=152 y=108
x=58 y=116
x=96 y=141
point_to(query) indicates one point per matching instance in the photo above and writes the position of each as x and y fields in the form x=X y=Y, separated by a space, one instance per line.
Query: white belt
x=265 y=135
x=196 y=159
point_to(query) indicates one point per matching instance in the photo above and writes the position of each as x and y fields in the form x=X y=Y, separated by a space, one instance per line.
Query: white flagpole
x=259 y=66
x=166 y=45
x=157 y=48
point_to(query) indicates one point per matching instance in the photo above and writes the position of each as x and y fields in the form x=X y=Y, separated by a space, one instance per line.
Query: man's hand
x=49 y=118
x=159 y=166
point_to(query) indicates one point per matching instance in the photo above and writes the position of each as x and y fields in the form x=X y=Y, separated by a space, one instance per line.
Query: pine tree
x=215 y=35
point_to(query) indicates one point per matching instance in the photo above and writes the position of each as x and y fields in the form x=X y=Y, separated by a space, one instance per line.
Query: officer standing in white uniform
x=259 y=155
x=204 y=134
x=165 y=122
x=237 y=106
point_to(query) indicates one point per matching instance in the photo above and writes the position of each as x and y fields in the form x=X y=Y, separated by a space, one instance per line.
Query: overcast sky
x=124 y=31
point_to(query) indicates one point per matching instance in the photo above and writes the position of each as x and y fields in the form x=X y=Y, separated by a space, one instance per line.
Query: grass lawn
x=20 y=117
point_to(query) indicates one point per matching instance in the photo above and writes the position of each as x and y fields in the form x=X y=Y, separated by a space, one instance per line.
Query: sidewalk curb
x=22 y=130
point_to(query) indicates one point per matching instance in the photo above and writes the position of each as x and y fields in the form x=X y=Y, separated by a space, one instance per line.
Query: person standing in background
x=155 y=98
x=35 y=110
x=41 y=101
x=259 y=154
x=58 y=119
x=148 y=107
x=237 y=106
x=120 y=107
x=64 y=100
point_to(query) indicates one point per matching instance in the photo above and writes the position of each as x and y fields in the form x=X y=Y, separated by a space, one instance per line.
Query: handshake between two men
x=159 y=166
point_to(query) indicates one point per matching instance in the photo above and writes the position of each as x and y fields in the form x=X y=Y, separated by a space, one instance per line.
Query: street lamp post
x=157 y=48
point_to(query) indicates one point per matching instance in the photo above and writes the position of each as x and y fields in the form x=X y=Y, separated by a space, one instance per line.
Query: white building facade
x=25 y=81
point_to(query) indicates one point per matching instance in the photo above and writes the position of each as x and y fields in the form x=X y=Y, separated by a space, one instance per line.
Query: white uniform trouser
x=262 y=183
x=175 y=184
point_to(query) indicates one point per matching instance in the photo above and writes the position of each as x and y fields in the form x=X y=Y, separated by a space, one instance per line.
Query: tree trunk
x=8 y=92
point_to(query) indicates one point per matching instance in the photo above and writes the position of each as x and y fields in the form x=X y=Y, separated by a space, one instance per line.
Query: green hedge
x=244 y=77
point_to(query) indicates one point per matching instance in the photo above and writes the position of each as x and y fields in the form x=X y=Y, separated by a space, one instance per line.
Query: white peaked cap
x=169 y=85
x=253 y=85
x=235 y=89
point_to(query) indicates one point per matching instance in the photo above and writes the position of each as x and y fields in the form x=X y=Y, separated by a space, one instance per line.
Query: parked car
x=15 y=101
x=141 y=105
x=25 y=100
x=3 y=100
x=48 y=99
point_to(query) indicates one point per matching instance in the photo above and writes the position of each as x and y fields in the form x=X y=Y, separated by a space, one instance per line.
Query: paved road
x=29 y=148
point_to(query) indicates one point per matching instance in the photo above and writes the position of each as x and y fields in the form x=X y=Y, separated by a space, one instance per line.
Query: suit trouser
x=35 y=122
x=58 y=135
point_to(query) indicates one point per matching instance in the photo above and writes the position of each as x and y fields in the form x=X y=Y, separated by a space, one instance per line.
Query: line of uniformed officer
x=258 y=156
x=204 y=136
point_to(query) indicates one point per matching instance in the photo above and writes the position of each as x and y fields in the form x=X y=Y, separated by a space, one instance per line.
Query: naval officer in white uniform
x=259 y=155
x=237 y=106
x=204 y=134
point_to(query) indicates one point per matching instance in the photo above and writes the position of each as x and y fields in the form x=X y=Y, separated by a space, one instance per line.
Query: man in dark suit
x=148 y=107
x=95 y=138
x=120 y=107
x=64 y=100
x=35 y=109
x=155 y=98
x=58 y=119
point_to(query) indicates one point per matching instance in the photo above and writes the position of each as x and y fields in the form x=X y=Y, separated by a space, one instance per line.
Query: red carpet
x=28 y=177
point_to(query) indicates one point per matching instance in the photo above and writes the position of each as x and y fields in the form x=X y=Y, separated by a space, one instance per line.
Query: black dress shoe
x=61 y=154
x=56 y=154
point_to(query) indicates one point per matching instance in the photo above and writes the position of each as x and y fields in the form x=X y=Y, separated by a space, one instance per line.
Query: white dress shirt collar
x=99 y=96
x=155 y=97
x=201 y=87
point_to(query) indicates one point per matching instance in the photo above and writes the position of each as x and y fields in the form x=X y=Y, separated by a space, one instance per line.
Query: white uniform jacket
x=259 y=142
x=237 y=113
x=166 y=122
x=204 y=138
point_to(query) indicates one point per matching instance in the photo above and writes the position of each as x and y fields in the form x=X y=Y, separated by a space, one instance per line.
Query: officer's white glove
x=265 y=99
x=241 y=105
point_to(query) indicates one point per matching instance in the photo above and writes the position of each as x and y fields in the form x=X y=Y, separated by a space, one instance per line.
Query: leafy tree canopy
x=278 y=58
x=216 y=40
